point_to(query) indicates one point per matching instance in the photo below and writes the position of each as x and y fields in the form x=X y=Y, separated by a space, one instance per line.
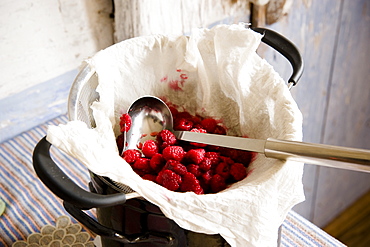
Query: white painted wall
x=145 y=17
x=42 y=39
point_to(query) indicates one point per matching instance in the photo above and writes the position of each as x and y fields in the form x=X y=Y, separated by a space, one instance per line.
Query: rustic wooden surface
x=352 y=227
x=333 y=94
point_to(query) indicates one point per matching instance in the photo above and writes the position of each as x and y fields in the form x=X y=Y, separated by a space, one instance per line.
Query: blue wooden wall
x=333 y=94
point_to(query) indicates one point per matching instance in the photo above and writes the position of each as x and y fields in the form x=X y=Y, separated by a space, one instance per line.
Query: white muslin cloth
x=216 y=73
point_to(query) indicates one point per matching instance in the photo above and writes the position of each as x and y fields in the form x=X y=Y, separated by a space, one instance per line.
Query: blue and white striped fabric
x=30 y=205
x=297 y=231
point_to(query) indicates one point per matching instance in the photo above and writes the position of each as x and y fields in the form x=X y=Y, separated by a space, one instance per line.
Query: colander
x=123 y=217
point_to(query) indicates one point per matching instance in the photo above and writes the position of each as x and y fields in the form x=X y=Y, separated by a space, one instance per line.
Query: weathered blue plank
x=35 y=105
x=333 y=94
x=312 y=27
x=348 y=112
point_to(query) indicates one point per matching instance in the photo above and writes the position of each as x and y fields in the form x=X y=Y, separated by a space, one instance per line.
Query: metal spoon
x=150 y=115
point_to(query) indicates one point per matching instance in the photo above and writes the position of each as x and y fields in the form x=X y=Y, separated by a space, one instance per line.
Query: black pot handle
x=286 y=48
x=63 y=187
x=105 y=232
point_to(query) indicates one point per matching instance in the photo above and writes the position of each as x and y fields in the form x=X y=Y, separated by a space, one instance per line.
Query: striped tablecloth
x=30 y=205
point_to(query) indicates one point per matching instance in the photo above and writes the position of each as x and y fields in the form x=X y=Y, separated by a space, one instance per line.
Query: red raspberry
x=227 y=160
x=196 y=120
x=120 y=140
x=173 y=153
x=176 y=167
x=214 y=157
x=217 y=183
x=125 y=122
x=166 y=138
x=207 y=176
x=194 y=169
x=131 y=155
x=198 y=130
x=238 y=171
x=219 y=130
x=223 y=169
x=149 y=148
x=139 y=172
x=183 y=114
x=150 y=177
x=209 y=124
x=206 y=164
x=190 y=183
x=241 y=156
x=173 y=111
x=205 y=180
x=195 y=155
x=169 y=180
x=142 y=164
x=157 y=162
x=183 y=124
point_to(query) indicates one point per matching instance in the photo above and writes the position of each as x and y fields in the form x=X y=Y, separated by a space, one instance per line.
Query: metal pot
x=123 y=217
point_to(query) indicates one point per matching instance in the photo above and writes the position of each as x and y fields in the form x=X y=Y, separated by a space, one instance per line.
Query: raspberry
x=195 y=155
x=142 y=164
x=149 y=148
x=205 y=180
x=157 y=162
x=207 y=176
x=175 y=166
x=219 y=130
x=173 y=111
x=150 y=177
x=120 y=140
x=184 y=114
x=217 y=183
x=209 y=124
x=198 y=130
x=183 y=124
x=125 y=122
x=169 y=180
x=173 y=153
x=206 y=164
x=227 y=160
x=194 y=169
x=186 y=166
x=139 y=172
x=214 y=157
x=196 y=120
x=237 y=171
x=223 y=170
x=191 y=183
x=131 y=155
x=166 y=138
x=241 y=156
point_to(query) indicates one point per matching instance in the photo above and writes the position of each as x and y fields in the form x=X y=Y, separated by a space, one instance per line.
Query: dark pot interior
x=138 y=217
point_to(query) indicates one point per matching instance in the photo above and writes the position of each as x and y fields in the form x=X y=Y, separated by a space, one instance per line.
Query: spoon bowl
x=149 y=116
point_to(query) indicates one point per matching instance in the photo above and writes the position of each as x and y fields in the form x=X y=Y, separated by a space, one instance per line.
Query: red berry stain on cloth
x=182 y=166
x=176 y=84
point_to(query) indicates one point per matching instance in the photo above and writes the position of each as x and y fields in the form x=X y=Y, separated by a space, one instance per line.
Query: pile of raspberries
x=182 y=166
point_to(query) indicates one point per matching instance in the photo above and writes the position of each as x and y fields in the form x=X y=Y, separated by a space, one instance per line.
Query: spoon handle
x=319 y=154
x=312 y=153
